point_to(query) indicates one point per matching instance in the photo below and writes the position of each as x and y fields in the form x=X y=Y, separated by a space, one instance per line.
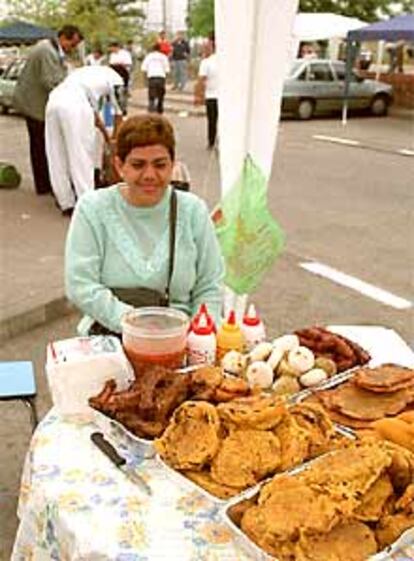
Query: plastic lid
x=231 y=320
x=251 y=318
x=203 y=326
x=203 y=311
x=155 y=322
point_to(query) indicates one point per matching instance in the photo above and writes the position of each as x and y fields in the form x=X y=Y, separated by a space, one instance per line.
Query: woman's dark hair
x=145 y=130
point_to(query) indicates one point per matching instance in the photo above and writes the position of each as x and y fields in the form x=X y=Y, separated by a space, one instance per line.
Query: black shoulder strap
x=173 y=220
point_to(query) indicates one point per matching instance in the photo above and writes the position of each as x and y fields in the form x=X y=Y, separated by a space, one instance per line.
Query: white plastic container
x=78 y=368
x=253 y=329
x=201 y=341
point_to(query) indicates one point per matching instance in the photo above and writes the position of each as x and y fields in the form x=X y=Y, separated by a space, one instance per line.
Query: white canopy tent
x=323 y=26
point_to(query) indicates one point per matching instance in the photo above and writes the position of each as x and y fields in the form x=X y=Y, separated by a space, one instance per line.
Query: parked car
x=318 y=85
x=7 y=55
x=8 y=81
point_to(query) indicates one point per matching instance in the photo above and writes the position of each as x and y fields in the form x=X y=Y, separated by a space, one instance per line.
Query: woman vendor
x=140 y=242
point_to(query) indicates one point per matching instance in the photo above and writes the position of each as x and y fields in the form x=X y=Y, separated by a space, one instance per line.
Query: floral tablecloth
x=75 y=505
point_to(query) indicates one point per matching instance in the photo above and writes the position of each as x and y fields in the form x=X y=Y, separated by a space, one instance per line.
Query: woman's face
x=147 y=172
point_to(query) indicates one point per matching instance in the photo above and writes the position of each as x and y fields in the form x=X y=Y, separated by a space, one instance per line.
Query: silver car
x=8 y=81
x=318 y=86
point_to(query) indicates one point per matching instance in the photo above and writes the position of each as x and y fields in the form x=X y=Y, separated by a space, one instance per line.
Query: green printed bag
x=250 y=238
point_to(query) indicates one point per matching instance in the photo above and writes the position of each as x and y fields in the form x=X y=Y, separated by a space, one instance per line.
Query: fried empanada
x=374 y=500
x=351 y=541
x=287 y=507
x=390 y=528
x=294 y=440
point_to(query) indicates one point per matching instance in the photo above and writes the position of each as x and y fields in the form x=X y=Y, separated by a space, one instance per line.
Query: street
x=345 y=206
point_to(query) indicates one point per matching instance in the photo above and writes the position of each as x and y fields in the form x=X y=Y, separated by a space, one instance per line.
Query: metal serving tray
x=115 y=431
x=258 y=554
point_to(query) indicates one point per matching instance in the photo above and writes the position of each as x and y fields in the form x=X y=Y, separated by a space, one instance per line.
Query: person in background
x=120 y=236
x=71 y=117
x=156 y=67
x=95 y=58
x=44 y=69
x=179 y=57
x=206 y=90
x=165 y=45
x=121 y=61
x=307 y=50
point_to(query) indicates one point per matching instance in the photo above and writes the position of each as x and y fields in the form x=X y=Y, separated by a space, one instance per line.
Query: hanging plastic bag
x=250 y=238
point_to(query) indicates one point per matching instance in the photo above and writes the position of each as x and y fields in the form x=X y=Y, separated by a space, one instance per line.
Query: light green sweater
x=111 y=243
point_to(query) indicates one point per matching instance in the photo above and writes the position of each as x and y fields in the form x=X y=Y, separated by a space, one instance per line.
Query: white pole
x=380 y=56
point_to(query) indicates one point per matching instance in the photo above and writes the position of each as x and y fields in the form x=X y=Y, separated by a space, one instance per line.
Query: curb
x=39 y=315
x=169 y=109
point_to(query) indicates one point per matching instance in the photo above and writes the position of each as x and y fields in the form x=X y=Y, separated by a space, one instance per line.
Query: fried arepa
x=385 y=378
x=313 y=418
x=246 y=457
x=255 y=412
x=192 y=437
x=360 y=404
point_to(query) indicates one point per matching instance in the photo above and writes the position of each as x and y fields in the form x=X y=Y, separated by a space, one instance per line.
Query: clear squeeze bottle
x=201 y=340
x=252 y=328
x=229 y=337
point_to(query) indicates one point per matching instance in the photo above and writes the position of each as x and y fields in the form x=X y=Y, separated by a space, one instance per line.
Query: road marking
x=350 y=142
x=337 y=140
x=363 y=287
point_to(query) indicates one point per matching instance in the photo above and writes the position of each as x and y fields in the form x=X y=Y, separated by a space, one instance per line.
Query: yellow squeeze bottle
x=229 y=337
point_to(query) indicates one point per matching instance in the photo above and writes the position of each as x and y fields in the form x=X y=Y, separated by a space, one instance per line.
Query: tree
x=99 y=20
x=201 y=14
x=201 y=18
x=368 y=10
x=42 y=12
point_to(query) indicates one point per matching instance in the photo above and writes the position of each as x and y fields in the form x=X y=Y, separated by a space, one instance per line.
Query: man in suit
x=44 y=69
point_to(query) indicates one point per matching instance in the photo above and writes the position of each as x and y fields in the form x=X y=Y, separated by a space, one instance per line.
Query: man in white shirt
x=207 y=90
x=156 y=67
x=71 y=118
x=95 y=58
x=121 y=60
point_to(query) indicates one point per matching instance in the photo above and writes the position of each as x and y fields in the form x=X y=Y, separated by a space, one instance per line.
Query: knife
x=110 y=452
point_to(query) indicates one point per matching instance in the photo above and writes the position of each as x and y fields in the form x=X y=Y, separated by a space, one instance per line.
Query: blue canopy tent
x=23 y=33
x=400 y=28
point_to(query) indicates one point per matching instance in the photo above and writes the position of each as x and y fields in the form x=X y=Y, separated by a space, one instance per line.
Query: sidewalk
x=175 y=102
x=31 y=273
